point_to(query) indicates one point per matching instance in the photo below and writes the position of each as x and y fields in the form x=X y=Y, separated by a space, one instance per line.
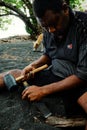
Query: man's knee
x=82 y=101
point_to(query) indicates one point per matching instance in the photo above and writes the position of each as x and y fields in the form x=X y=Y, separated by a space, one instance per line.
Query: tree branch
x=17 y=12
x=9 y=6
x=27 y=3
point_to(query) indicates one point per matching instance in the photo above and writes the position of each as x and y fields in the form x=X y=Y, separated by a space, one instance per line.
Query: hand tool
x=40 y=105
x=12 y=83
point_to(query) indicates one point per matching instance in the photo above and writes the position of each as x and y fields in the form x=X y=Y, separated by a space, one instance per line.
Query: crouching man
x=65 y=43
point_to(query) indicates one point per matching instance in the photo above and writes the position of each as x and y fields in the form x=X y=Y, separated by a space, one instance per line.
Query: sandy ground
x=16 y=114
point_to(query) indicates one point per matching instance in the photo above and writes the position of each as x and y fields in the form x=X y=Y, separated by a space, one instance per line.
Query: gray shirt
x=69 y=55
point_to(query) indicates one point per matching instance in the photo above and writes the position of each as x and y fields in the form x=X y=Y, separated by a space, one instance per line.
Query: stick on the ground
x=65 y=122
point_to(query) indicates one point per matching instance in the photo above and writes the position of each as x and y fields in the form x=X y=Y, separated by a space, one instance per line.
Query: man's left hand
x=33 y=93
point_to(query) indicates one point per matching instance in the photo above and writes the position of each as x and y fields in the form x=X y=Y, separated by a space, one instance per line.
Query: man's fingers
x=25 y=93
x=28 y=96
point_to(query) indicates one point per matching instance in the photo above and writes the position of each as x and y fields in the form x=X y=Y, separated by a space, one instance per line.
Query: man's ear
x=65 y=8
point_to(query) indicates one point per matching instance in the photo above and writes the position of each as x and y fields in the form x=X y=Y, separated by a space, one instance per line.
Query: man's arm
x=65 y=84
x=44 y=59
x=36 y=93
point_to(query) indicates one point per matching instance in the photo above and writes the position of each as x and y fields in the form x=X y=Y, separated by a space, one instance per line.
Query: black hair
x=41 y=6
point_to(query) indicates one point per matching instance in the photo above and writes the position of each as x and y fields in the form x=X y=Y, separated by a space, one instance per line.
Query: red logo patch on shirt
x=69 y=46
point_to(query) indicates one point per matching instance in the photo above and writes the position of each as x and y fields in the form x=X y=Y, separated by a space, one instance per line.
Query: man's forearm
x=44 y=59
x=65 y=84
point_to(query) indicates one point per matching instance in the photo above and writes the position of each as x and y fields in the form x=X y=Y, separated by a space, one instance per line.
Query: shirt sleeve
x=81 y=70
x=45 y=41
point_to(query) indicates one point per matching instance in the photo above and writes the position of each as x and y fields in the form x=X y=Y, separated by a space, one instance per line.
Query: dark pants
x=43 y=78
x=69 y=97
x=47 y=77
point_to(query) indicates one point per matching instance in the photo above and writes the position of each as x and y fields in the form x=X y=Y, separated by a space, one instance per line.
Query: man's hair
x=41 y=6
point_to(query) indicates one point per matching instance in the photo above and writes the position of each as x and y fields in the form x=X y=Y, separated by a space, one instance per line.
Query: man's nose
x=51 y=29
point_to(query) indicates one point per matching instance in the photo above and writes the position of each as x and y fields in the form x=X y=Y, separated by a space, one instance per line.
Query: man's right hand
x=26 y=70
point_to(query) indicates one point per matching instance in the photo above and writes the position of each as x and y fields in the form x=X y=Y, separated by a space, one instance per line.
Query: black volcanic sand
x=18 y=114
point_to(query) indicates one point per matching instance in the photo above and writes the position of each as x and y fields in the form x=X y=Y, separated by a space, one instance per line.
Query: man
x=65 y=43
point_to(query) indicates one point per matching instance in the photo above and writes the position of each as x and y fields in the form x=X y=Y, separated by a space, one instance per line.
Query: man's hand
x=33 y=93
x=26 y=70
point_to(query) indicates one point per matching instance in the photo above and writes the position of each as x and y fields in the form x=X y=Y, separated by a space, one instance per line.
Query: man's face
x=55 y=22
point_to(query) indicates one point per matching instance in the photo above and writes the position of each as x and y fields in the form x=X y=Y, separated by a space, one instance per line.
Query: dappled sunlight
x=17 y=27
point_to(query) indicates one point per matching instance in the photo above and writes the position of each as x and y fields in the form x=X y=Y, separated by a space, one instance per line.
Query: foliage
x=4 y=11
x=23 y=10
x=4 y=23
x=76 y=4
